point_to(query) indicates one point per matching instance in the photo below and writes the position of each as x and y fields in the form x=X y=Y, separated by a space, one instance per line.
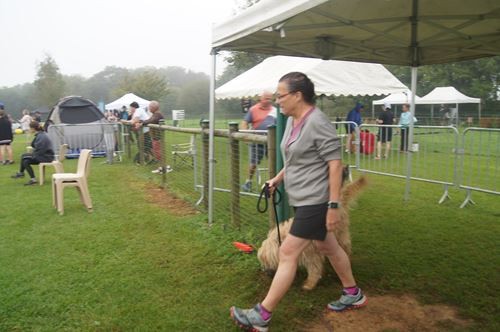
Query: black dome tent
x=78 y=122
x=75 y=110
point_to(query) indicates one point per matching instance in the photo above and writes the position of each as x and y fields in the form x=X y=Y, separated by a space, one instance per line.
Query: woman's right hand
x=273 y=184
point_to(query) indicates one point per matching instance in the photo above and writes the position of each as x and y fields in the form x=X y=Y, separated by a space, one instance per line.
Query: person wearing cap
x=354 y=118
x=385 y=118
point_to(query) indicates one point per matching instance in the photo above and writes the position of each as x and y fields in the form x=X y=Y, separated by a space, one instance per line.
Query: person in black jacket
x=6 y=138
x=43 y=152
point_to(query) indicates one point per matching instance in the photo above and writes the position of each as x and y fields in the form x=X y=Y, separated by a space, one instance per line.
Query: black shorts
x=310 y=222
x=385 y=134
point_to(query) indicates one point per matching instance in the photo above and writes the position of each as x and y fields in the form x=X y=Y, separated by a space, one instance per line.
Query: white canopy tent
x=413 y=33
x=330 y=78
x=399 y=98
x=126 y=100
x=449 y=95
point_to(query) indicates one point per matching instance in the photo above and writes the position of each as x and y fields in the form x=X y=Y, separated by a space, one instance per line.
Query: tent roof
x=329 y=77
x=125 y=100
x=447 y=95
x=403 y=32
x=397 y=99
x=73 y=110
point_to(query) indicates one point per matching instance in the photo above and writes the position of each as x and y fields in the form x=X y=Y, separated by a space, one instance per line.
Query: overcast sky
x=84 y=36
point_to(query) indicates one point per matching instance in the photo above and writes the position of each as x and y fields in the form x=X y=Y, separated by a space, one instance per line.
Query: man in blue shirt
x=353 y=116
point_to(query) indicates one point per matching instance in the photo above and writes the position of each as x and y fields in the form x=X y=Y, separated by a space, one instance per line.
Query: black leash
x=266 y=192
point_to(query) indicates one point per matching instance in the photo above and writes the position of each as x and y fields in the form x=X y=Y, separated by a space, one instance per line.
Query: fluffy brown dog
x=310 y=258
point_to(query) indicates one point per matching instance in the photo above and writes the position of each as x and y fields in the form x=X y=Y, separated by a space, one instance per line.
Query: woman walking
x=312 y=175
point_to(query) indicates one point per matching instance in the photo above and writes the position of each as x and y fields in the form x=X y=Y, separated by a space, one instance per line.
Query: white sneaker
x=157 y=171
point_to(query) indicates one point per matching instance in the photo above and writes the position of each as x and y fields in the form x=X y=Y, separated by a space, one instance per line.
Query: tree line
x=179 y=88
x=174 y=87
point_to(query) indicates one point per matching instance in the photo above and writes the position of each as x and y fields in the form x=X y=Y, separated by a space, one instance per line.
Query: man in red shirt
x=260 y=116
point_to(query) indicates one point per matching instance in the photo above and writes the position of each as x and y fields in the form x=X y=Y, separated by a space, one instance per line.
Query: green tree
x=194 y=98
x=17 y=98
x=76 y=85
x=102 y=86
x=49 y=84
x=476 y=78
x=146 y=84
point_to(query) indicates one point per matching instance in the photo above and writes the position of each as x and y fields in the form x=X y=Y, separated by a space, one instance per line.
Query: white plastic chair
x=184 y=151
x=58 y=163
x=78 y=180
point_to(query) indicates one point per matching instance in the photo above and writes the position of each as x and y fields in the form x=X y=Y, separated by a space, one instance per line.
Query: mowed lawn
x=133 y=264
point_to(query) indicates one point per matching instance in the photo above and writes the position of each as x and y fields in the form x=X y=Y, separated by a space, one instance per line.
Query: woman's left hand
x=332 y=219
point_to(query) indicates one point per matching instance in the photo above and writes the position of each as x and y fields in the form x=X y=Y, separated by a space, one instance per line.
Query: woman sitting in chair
x=42 y=152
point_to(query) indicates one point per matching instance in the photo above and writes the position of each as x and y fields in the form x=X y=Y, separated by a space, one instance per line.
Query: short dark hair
x=36 y=125
x=299 y=82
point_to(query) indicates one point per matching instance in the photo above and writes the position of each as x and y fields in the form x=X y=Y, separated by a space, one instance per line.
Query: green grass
x=132 y=265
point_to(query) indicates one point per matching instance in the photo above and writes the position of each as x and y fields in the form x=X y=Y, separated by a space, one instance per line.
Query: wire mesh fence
x=177 y=159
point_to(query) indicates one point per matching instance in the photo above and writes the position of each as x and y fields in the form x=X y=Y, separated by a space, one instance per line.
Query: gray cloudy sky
x=84 y=36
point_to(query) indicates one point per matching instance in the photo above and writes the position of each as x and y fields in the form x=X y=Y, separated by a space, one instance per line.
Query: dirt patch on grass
x=392 y=313
x=175 y=206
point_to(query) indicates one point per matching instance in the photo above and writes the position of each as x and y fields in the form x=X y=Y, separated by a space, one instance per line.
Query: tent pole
x=211 y=119
x=414 y=72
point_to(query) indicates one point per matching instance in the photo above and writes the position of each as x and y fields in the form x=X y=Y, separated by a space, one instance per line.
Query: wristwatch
x=333 y=205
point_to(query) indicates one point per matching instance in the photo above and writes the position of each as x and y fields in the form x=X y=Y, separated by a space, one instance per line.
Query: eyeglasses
x=283 y=95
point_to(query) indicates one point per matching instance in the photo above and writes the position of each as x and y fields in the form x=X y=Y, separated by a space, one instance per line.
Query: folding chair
x=185 y=152
x=58 y=163
x=78 y=180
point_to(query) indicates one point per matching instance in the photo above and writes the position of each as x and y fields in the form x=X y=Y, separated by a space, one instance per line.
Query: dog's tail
x=352 y=190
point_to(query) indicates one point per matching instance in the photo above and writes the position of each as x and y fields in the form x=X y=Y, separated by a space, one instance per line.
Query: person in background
x=353 y=116
x=156 y=118
x=312 y=175
x=385 y=118
x=259 y=117
x=404 y=123
x=140 y=115
x=43 y=152
x=37 y=117
x=6 y=138
x=25 y=121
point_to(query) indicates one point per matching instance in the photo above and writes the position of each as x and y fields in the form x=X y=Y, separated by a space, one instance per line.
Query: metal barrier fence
x=480 y=167
x=434 y=156
x=104 y=139
x=177 y=158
